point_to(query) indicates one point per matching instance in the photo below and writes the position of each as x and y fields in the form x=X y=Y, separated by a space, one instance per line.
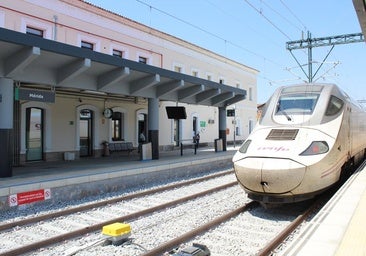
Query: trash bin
x=105 y=148
x=146 y=151
x=218 y=145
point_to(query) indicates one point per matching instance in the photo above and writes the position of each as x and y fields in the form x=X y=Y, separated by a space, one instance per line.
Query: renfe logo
x=276 y=149
x=29 y=197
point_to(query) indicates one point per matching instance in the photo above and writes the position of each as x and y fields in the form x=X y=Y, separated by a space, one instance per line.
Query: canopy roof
x=29 y=59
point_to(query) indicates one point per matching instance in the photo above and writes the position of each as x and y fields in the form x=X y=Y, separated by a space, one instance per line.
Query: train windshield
x=297 y=103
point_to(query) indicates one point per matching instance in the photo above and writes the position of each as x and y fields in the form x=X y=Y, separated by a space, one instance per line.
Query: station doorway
x=194 y=126
x=86 y=132
x=142 y=126
x=177 y=131
x=34 y=134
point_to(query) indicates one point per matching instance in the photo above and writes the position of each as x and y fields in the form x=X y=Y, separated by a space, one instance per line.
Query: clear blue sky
x=255 y=32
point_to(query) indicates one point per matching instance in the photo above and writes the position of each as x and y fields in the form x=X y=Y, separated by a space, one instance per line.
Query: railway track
x=257 y=243
x=296 y=240
x=249 y=232
x=241 y=228
x=55 y=214
x=276 y=242
x=169 y=245
x=49 y=223
x=155 y=230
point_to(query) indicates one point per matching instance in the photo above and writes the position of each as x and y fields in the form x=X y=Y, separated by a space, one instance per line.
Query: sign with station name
x=34 y=95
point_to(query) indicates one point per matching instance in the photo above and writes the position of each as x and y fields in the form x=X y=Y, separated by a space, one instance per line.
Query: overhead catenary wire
x=268 y=20
x=213 y=35
x=272 y=23
x=293 y=14
x=208 y=32
x=181 y=20
x=283 y=17
x=236 y=19
x=227 y=42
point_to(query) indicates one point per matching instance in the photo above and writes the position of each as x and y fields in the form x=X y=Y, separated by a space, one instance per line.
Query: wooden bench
x=121 y=146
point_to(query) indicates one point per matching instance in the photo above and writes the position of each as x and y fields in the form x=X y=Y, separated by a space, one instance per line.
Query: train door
x=34 y=134
x=85 y=132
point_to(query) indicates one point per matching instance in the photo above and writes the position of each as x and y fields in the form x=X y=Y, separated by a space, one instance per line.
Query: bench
x=188 y=143
x=121 y=146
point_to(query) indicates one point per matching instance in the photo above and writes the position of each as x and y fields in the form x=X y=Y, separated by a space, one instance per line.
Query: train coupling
x=194 y=250
x=116 y=233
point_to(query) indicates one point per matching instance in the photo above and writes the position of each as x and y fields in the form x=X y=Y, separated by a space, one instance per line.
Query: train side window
x=334 y=106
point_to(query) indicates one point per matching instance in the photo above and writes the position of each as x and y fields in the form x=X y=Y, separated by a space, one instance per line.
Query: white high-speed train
x=305 y=140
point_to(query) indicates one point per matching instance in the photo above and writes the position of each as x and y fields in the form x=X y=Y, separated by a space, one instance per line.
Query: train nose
x=269 y=175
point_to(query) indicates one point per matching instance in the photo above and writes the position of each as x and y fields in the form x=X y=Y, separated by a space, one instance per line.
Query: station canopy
x=32 y=60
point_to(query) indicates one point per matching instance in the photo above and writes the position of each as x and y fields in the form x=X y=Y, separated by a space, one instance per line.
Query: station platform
x=339 y=228
x=47 y=182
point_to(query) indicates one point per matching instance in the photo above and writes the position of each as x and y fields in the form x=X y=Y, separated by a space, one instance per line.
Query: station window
x=117 y=53
x=142 y=59
x=250 y=94
x=117 y=126
x=209 y=77
x=178 y=69
x=195 y=73
x=221 y=81
x=34 y=31
x=87 y=45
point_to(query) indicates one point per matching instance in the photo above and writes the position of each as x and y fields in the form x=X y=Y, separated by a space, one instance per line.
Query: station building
x=75 y=77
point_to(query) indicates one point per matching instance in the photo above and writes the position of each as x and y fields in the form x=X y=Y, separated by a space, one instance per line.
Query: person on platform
x=141 y=141
x=197 y=139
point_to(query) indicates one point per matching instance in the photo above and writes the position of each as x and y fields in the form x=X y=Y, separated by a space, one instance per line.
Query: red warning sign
x=29 y=197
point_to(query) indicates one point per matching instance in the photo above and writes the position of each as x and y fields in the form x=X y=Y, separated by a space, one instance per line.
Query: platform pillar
x=222 y=126
x=153 y=126
x=6 y=127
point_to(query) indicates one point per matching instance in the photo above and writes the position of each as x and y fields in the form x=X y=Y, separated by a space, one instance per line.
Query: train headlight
x=243 y=149
x=316 y=148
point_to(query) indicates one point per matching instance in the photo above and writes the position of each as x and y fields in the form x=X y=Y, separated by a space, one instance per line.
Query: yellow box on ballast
x=116 y=229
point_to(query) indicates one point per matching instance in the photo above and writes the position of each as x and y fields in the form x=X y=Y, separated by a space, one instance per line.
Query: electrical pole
x=309 y=43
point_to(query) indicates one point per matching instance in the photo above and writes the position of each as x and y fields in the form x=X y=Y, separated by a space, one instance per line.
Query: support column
x=6 y=127
x=222 y=126
x=153 y=126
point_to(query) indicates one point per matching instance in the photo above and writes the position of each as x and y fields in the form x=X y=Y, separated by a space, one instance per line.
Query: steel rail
x=82 y=208
x=92 y=228
x=199 y=230
x=280 y=238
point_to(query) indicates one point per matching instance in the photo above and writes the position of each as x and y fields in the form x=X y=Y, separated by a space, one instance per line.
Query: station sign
x=34 y=95
x=230 y=112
